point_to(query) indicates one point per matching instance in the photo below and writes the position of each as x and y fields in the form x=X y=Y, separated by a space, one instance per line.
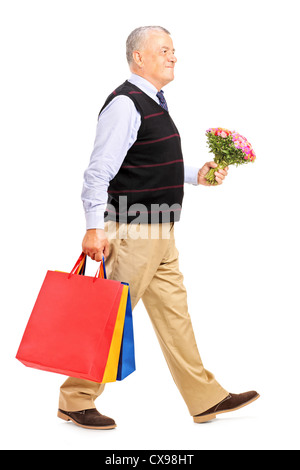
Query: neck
x=158 y=85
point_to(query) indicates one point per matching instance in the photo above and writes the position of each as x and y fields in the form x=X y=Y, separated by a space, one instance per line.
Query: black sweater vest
x=149 y=185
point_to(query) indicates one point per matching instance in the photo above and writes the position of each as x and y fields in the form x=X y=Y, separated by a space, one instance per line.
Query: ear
x=138 y=59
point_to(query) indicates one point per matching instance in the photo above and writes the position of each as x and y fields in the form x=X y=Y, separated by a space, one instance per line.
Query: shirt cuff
x=94 y=220
x=191 y=175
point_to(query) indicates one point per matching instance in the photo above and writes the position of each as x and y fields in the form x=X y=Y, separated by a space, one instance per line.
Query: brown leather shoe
x=231 y=403
x=89 y=419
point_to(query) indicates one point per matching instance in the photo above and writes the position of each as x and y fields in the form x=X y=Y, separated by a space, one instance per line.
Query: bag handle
x=82 y=266
x=79 y=268
x=77 y=264
x=101 y=271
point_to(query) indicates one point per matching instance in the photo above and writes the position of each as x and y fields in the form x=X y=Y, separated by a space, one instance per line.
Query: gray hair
x=137 y=37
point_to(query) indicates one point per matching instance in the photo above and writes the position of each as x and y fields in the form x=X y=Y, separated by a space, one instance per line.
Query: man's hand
x=220 y=174
x=95 y=244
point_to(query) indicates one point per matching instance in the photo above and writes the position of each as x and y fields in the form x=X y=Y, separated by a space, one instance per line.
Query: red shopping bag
x=72 y=323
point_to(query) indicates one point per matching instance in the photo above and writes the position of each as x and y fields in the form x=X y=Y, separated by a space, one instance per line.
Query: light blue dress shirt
x=117 y=130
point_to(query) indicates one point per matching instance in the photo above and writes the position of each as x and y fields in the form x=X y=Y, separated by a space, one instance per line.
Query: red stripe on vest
x=145 y=190
x=153 y=165
x=153 y=115
x=158 y=140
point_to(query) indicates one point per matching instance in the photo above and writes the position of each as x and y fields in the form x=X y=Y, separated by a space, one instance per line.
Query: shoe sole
x=68 y=418
x=204 y=419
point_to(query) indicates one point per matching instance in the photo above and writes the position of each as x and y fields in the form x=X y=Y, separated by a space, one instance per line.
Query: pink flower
x=237 y=140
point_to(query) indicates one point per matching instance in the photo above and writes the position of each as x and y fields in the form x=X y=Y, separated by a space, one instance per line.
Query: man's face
x=158 y=59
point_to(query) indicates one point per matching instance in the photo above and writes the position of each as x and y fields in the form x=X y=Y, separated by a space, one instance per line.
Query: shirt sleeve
x=117 y=130
x=191 y=175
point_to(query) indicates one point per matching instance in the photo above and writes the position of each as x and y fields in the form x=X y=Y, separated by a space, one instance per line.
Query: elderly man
x=132 y=195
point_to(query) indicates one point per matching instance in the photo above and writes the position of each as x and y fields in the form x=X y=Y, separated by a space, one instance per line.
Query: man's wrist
x=96 y=232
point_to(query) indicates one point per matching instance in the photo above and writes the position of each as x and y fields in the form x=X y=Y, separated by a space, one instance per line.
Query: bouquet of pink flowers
x=229 y=148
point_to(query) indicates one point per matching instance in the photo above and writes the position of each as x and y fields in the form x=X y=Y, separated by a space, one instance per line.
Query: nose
x=173 y=58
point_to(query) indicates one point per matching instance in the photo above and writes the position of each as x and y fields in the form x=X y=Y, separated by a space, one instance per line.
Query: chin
x=170 y=77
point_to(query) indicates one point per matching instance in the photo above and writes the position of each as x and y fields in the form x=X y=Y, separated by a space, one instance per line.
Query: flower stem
x=210 y=176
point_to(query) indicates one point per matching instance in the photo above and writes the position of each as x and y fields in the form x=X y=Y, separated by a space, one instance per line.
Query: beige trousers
x=146 y=257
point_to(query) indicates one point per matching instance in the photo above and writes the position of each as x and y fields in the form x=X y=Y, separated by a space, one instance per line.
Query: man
x=137 y=167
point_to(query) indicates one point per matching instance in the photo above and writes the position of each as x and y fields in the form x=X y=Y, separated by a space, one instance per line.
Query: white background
x=239 y=243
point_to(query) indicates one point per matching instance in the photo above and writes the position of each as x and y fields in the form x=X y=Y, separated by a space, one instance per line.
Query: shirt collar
x=144 y=85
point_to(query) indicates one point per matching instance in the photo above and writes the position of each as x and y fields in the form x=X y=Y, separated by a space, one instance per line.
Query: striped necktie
x=162 y=101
